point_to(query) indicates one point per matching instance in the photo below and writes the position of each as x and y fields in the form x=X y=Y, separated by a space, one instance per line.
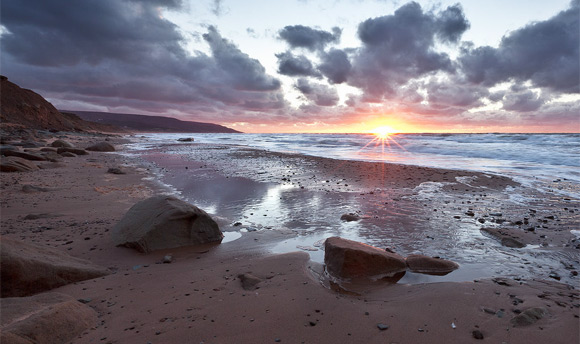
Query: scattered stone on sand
x=116 y=170
x=350 y=217
x=61 y=143
x=350 y=259
x=68 y=155
x=23 y=155
x=161 y=222
x=477 y=334
x=529 y=316
x=101 y=147
x=185 y=139
x=249 y=281
x=33 y=188
x=77 y=151
x=430 y=265
x=506 y=237
x=29 y=268
x=15 y=164
x=44 y=318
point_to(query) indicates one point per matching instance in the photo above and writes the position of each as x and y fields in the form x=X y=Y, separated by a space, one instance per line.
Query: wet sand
x=199 y=298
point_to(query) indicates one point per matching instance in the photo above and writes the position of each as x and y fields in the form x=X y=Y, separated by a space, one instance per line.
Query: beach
x=274 y=209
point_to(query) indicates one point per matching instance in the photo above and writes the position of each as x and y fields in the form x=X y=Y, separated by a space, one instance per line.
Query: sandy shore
x=199 y=298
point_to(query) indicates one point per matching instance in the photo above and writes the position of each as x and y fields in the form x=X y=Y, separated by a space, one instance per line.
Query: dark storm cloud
x=400 y=47
x=111 y=53
x=320 y=94
x=299 y=36
x=291 y=65
x=545 y=52
x=335 y=66
x=524 y=101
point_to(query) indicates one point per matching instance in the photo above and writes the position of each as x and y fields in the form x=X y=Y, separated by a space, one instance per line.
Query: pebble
x=167 y=259
x=382 y=327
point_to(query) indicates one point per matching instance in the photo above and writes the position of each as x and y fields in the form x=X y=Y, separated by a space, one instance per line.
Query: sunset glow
x=384 y=132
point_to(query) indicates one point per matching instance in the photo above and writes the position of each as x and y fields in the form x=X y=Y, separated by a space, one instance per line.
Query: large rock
x=349 y=259
x=77 y=151
x=61 y=143
x=429 y=265
x=507 y=237
x=29 y=268
x=23 y=155
x=15 y=164
x=165 y=222
x=44 y=318
x=101 y=147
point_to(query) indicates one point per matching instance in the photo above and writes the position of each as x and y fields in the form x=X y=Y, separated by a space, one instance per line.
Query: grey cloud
x=291 y=65
x=545 y=52
x=320 y=94
x=525 y=101
x=335 y=66
x=299 y=36
x=451 y=24
x=119 y=54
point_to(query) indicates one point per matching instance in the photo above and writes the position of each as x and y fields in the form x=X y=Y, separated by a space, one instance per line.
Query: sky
x=305 y=65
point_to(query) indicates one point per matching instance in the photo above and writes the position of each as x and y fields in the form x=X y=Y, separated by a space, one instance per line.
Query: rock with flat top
x=23 y=155
x=430 y=265
x=101 y=147
x=77 y=151
x=15 y=164
x=44 y=318
x=28 y=269
x=163 y=222
x=529 y=316
x=349 y=259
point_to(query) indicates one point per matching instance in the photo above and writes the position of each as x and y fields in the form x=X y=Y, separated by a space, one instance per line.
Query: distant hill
x=23 y=108
x=142 y=123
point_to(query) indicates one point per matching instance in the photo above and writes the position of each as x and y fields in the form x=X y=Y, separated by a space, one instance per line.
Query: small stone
x=382 y=327
x=477 y=334
x=115 y=170
x=167 y=259
x=85 y=300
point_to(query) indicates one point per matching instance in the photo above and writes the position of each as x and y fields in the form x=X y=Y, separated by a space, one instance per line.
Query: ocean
x=548 y=162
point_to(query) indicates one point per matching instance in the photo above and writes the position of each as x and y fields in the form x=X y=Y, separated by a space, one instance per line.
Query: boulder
x=429 y=265
x=77 y=151
x=44 y=318
x=23 y=155
x=529 y=316
x=350 y=217
x=101 y=147
x=116 y=170
x=185 y=139
x=163 y=222
x=349 y=259
x=15 y=164
x=61 y=143
x=29 y=268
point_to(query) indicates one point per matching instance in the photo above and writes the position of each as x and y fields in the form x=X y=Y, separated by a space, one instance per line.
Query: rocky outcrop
x=506 y=237
x=101 y=147
x=15 y=164
x=23 y=155
x=163 y=222
x=430 y=265
x=349 y=259
x=44 y=318
x=28 y=269
x=77 y=151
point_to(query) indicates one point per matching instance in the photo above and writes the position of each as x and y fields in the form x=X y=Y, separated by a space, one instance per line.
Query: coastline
x=199 y=297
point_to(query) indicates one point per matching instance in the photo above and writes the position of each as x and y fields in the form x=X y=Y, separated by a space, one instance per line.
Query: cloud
x=291 y=65
x=320 y=94
x=299 y=36
x=125 y=55
x=545 y=52
x=335 y=66
x=524 y=101
x=217 y=7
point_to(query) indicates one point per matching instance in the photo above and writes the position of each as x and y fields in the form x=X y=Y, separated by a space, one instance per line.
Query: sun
x=384 y=132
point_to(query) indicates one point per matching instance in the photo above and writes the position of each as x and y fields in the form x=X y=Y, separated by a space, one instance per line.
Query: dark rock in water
x=61 y=143
x=29 y=269
x=161 y=222
x=77 y=151
x=350 y=217
x=116 y=170
x=23 y=155
x=350 y=259
x=185 y=139
x=505 y=236
x=429 y=265
x=529 y=316
x=469 y=213
x=101 y=147
x=15 y=164
x=249 y=281
x=44 y=318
